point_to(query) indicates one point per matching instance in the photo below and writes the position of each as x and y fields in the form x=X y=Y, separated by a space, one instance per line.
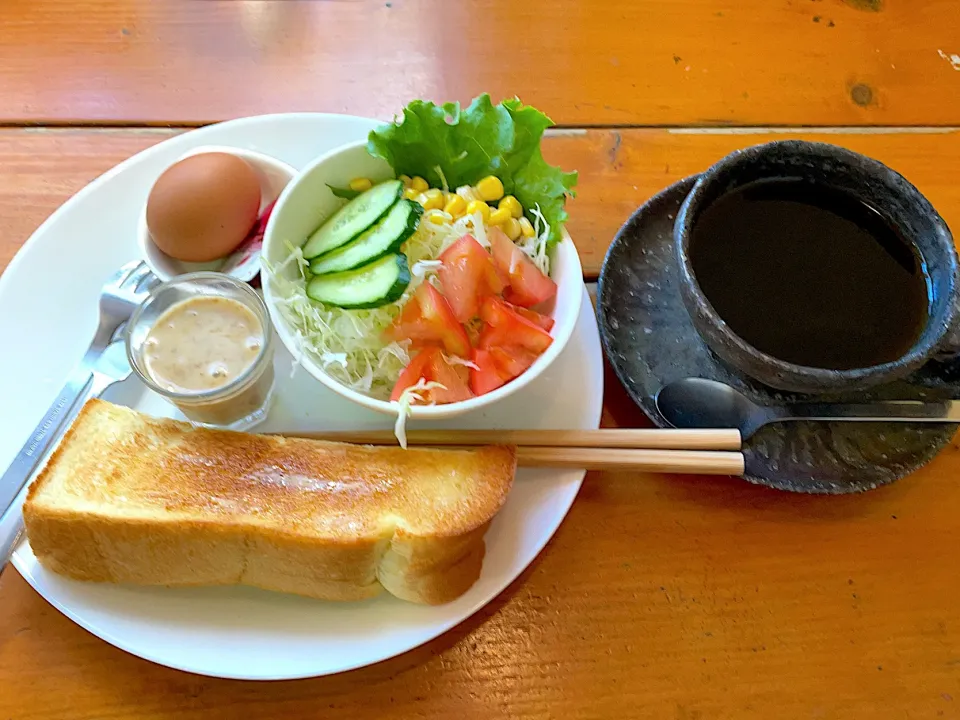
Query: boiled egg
x=202 y=207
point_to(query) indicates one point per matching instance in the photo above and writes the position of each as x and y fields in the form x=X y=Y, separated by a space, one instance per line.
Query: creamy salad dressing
x=202 y=344
x=203 y=341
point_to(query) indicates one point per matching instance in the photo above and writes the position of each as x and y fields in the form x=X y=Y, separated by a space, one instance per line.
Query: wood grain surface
x=660 y=597
x=619 y=170
x=624 y=62
x=672 y=597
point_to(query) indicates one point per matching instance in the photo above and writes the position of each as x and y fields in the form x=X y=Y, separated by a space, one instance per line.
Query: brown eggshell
x=202 y=207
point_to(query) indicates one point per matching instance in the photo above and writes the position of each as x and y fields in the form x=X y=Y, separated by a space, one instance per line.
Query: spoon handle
x=895 y=411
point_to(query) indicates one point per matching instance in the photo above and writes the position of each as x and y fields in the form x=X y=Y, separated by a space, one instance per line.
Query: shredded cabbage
x=468 y=193
x=407 y=398
x=443 y=178
x=424 y=267
x=536 y=246
x=454 y=360
x=348 y=344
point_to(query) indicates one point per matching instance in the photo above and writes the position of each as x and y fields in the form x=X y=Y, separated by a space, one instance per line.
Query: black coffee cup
x=874 y=184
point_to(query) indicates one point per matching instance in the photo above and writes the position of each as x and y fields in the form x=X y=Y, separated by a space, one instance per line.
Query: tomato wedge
x=486 y=376
x=512 y=361
x=528 y=286
x=506 y=328
x=431 y=366
x=454 y=378
x=428 y=320
x=412 y=373
x=468 y=275
x=544 y=321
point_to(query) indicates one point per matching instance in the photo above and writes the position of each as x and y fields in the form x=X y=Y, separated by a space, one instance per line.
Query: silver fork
x=104 y=364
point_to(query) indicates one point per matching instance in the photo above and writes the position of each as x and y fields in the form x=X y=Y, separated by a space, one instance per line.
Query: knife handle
x=82 y=385
x=44 y=435
x=11 y=530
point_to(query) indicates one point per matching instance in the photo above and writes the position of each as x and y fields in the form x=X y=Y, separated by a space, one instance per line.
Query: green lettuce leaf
x=345 y=193
x=467 y=145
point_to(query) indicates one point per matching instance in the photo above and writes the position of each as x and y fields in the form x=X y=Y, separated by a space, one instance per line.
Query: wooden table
x=662 y=597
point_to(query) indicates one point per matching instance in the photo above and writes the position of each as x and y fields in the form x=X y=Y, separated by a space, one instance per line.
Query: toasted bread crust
x=134 y=499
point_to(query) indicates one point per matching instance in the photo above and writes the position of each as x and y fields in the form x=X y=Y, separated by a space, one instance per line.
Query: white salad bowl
x=308 y=201
x=273 y=174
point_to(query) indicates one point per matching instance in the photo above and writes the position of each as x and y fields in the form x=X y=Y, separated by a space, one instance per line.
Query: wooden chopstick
x=645 y=439
x=697 y=462
x=703 y=452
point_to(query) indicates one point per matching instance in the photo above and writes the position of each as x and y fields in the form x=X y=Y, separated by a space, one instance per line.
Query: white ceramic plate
x=48 y=308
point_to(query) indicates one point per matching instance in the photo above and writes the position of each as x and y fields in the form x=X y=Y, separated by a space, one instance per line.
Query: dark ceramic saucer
x=650 y=341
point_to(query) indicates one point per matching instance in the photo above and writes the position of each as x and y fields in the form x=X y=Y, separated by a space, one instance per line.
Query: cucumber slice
x=384 y=238
x=370 y=286
x=353 y=218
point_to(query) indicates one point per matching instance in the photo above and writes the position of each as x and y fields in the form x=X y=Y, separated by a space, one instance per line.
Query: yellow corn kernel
x=478 y=206
x=448 y=196
x=511 y=204
x=436 y=218
x=499 y=217
x=360 y=184
x=490 y=188
x=512 y=228
x=405 y=179
x=410 y=194
x=526 y=229
x=432 y=199
x=456 y=205
x=419 y=184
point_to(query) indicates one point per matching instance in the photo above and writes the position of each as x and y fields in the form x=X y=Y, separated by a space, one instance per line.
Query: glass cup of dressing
x=204 y=342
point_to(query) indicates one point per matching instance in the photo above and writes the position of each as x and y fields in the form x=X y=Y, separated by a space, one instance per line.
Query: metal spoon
x=699 y=403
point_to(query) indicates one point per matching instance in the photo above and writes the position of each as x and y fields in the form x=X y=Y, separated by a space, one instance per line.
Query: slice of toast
x=129 y=498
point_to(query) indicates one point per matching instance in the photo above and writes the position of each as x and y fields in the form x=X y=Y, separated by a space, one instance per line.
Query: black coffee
x=810 y=274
